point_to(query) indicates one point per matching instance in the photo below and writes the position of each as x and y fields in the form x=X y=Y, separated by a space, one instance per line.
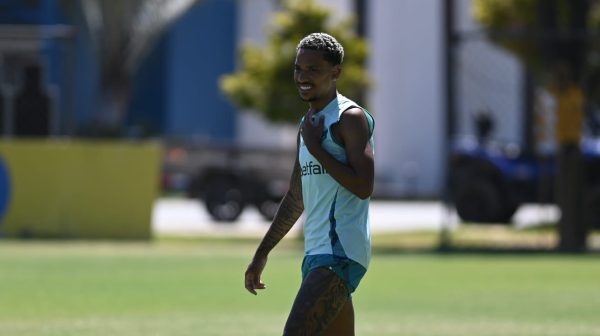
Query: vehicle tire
x=224 y=199
x=481 y=201
x=268 y=208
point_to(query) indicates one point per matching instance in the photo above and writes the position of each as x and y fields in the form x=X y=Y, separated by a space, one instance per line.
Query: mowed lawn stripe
x=196 y=288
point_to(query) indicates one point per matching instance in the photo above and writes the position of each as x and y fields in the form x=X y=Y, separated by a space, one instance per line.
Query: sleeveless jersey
x=336 y=220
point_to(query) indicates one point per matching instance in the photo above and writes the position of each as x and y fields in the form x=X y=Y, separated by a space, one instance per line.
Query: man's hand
x=312 y=129
x=252 y=276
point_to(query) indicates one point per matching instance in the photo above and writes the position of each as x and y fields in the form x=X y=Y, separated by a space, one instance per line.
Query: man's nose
x=301 y=76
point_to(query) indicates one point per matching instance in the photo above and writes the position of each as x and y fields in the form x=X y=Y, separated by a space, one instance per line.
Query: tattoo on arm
x=289 y=211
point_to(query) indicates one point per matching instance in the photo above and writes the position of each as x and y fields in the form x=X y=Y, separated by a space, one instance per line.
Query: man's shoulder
x=353 y=116
x=354 y=110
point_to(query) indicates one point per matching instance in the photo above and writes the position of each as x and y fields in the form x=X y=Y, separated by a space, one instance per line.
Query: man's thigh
x=322 y=296
x=343 y=324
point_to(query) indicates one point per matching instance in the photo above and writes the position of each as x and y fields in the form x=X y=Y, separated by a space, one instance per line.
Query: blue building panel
x=30 y=12
x=201 y=48
x=87 y=79
x=148 y=110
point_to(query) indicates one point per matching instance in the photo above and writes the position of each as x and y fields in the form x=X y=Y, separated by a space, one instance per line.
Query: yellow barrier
x=80 y=189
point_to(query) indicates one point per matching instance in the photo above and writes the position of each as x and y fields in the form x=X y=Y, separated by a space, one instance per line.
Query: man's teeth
x=305 y=87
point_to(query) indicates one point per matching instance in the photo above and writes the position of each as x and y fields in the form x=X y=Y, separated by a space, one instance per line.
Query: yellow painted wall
x=80 y=189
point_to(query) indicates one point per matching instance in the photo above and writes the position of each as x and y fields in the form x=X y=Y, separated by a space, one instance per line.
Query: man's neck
x=320 y=105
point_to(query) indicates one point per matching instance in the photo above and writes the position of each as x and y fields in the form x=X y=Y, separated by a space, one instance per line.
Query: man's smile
x=305 y=87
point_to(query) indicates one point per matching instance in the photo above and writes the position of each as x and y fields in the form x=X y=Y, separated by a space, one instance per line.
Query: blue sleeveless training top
x=336 y=220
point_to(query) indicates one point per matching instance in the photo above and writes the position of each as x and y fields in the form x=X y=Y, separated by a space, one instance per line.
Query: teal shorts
x=348 y=270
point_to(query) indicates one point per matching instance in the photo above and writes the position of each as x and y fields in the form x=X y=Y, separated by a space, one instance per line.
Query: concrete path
x=183 y=217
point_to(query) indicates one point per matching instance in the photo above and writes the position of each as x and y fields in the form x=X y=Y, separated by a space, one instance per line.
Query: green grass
x=195 y=287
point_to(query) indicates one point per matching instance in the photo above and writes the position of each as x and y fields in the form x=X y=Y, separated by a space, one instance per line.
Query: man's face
x=314 y=76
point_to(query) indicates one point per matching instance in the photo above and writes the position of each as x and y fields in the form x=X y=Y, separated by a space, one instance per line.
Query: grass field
x=195 y=287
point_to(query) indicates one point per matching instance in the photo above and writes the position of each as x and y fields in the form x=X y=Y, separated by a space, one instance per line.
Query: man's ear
x=337 y=71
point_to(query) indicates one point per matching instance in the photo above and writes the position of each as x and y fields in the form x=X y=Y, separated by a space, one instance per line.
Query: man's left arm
x=358 y=174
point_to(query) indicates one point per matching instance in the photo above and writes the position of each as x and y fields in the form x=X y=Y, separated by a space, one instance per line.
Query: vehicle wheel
x=268 y=208
x=480 y=201
x=224 y=200
x=592 y=208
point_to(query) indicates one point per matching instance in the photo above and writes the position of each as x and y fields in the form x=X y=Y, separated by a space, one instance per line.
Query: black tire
x=481 y=201
x=268 y=208
x=224 y=199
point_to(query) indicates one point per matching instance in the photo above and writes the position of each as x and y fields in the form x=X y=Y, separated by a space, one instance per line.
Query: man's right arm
x=289 y=211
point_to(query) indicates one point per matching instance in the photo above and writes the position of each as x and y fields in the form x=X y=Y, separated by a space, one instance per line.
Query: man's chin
x=307 y=99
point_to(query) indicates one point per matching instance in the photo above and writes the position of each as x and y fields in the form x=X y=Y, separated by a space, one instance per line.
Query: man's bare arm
x=289 y=211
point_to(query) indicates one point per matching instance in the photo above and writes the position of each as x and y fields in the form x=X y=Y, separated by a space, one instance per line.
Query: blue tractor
x=489 y=181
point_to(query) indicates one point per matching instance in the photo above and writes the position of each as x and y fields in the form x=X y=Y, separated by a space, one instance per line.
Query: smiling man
x=331 y=182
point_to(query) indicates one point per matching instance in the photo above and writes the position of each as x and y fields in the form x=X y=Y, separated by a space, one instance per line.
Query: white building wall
x=252 y=129
x=253 y=15
x=406 y=50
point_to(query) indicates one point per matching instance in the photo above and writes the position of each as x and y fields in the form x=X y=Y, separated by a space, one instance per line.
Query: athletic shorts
x=348 y=270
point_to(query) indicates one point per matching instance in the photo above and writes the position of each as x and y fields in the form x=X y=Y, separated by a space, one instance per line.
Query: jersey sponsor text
x=311 y=168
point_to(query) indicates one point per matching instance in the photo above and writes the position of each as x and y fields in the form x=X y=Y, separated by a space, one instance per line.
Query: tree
x=552 y=38
x=264 y=81
x=121 y=32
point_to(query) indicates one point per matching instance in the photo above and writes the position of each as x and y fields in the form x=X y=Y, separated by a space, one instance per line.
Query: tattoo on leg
x=320 y=298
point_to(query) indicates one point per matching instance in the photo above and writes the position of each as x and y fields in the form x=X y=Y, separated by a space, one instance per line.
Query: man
x=332 y=181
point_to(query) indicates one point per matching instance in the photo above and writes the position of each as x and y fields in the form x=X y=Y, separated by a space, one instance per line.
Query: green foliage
x=516 y=25
x=515 y=17
x=505 y=13
x=520 y=23
x=265 y=81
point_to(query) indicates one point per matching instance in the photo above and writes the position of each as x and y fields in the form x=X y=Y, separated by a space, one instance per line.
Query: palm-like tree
x=122 y=33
